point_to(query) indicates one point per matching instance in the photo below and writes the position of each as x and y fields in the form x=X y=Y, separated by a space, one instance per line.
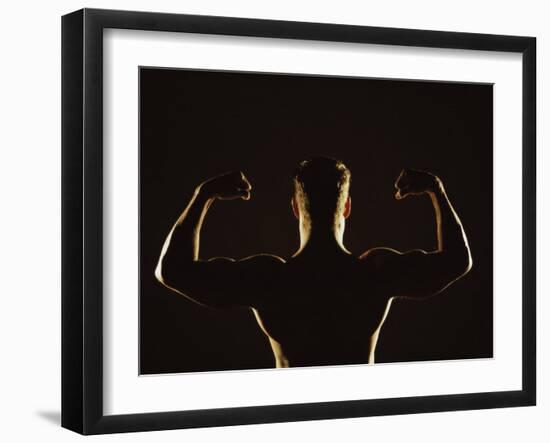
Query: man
x=322 y=306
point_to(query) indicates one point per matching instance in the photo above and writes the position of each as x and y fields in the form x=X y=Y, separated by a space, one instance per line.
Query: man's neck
x=321 y=241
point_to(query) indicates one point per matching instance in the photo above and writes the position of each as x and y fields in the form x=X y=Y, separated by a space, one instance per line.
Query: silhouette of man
x=322 y=306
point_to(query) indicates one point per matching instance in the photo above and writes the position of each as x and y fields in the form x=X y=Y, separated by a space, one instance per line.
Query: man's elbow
x=166 y=277
x=469 y=261
x=163 y=274
x=158 y=273
x=469 y=264
x=169 y=275
x=456 y=266
x=465 y=265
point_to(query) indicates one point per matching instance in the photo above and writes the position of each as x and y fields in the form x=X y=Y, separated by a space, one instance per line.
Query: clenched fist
x=229 y=186
x=413 y=182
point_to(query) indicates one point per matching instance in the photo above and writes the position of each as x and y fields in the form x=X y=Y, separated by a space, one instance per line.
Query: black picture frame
x=82 y=220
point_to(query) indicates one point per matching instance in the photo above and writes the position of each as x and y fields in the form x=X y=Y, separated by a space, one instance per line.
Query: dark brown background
x=196 y=124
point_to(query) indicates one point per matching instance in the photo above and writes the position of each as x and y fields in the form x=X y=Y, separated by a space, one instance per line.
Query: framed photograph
x=268 y=221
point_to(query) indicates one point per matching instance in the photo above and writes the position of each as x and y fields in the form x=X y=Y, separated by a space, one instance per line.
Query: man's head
x=321 y=192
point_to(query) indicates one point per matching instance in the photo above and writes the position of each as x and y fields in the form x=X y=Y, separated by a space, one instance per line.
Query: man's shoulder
x=263 y=258
x=389 y=257
x=380 y=257
x=257 y=258
x=379 y=253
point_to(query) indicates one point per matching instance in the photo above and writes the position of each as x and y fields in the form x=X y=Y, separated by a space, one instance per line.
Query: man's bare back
x=322 y=306
x=311 y=318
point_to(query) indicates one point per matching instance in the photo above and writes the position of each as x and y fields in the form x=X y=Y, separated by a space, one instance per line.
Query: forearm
x=451 y=238
x=183 y=242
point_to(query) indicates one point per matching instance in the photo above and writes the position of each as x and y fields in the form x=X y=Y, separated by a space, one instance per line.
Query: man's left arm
x=221 y=282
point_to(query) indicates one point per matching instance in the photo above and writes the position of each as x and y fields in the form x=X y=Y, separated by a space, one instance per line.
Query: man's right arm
x=419 y=273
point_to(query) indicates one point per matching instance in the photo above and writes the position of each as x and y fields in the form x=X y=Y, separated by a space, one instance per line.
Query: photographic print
x=296 y=220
